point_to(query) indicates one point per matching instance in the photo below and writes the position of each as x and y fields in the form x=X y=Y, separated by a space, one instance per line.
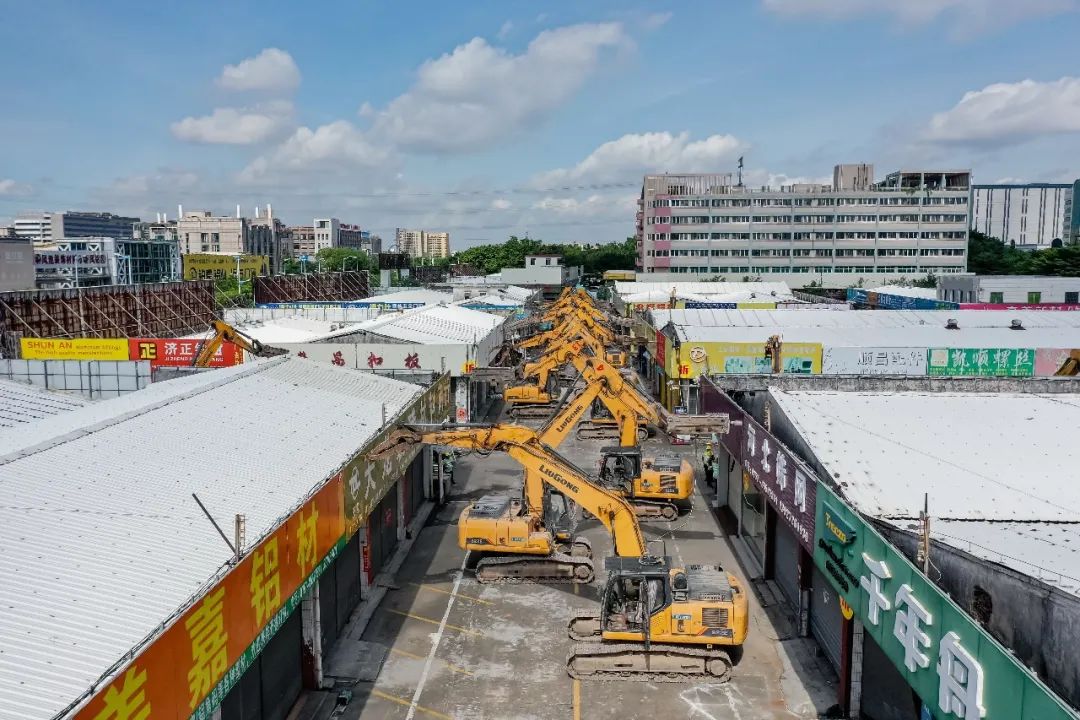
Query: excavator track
x=527 y=412
x=666 y=663
x=578 y=547
x=655 y=509
x=558 y=568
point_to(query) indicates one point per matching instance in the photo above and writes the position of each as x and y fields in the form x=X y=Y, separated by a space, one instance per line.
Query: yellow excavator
x=224 y=332
x=537 y=399
x=657 y=622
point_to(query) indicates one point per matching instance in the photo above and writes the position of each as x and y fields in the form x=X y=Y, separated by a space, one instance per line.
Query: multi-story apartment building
x=203 y=232
x=420 y=243
x=1031 y=216
x=48 y=226
x=303 y=241
x=327 y=233
x=912 y=223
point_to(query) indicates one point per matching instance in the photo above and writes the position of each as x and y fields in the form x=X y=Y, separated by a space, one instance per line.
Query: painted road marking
x=414 y=656
x=577 y=699
x=425 y=586
x=415 y=704
x=441 y=625
x=406 y=703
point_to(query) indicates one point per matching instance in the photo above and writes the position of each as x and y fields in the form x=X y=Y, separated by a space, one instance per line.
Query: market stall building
x=823 y=494
x=143 y=609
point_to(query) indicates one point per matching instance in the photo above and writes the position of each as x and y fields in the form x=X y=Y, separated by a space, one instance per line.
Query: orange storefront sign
x=190 y=668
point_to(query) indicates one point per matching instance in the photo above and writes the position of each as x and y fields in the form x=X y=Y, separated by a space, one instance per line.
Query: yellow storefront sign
x=199 y=266
x=720 y=358
x=74 y=348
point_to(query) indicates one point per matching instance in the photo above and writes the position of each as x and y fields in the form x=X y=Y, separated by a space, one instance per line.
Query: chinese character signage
x=715 y=358
x=170 y=352
x=954 y=666
x=74 y=348
x=188 y=670
x=789 y=485
x=873 y=361
x=889 y=301
x=453 y=358
x=982 y=362
x=366 y=481
x=199 y=266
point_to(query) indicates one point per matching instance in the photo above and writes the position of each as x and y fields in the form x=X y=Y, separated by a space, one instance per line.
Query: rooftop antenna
x=740 y=170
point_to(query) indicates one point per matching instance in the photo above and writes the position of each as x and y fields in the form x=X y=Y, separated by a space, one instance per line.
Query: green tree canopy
x=493 y=258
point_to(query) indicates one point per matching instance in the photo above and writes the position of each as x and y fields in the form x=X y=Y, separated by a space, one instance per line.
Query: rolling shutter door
x=786 y=564
x=348 y=581
x=826 y=622
x=281 y=671
x=328 y=598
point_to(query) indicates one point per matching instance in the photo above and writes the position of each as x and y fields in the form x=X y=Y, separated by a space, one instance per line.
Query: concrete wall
x=1038 y=622
x=1014 y=288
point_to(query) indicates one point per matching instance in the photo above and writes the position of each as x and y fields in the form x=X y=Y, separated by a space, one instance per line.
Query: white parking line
x=436 y=639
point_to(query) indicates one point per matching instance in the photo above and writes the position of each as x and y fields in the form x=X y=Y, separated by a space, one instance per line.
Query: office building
x=266 y=235
x=327 y=233
x=39 y=226
x=423 y=244
x=202 y=231
x=303 y=241
x=353 y=237
x=1029 y=216
x=43 y=226
x=913 y=223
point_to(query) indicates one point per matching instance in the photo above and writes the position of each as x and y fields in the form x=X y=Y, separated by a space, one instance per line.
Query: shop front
x=772 y=500
x=921 y=655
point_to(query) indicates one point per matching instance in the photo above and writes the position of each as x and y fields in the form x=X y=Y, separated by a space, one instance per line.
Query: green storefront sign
x=981 y=362
x=955 y=667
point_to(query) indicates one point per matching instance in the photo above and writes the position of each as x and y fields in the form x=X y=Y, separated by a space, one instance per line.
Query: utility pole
x=924 y=536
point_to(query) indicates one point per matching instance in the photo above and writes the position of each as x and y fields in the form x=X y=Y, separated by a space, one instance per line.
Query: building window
x=997 y=298
x=1072 y=297
x=1034 y=298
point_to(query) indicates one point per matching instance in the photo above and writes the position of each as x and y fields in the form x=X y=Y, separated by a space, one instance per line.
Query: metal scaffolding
x=312 y=287
x=149 y=310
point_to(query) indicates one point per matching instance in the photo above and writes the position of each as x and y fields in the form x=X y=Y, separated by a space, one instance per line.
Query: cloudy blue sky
x=493 y=117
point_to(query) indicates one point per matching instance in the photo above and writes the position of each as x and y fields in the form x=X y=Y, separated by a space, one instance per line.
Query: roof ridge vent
x=951 y=324
x=1016 y=324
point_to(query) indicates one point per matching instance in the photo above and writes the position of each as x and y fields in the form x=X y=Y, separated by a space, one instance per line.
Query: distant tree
x=930 y=281
x=494 y=257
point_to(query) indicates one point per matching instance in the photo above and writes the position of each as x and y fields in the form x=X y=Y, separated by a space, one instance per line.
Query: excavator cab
x=656 y=487
x=619 y=467
x=636 y=590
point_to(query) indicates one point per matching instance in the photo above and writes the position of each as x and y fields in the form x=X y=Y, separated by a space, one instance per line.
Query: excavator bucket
x=394 y=443
x=698 y=425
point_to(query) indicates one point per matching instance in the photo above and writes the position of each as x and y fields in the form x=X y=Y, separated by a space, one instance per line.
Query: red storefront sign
x=173 y=352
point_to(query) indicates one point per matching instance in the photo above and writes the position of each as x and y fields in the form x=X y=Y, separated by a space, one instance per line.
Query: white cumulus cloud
x=479 y=94
x=629 y=157
x=8 y=187
x=1010 y=113
x=338 y=146
x=965 y=17
x=235 y=126
x=272 y=69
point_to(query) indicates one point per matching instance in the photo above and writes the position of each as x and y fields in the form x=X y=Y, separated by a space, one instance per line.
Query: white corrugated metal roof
x=703 y=288
x=491 y=299
x=413 y=295
x=1048 y=551
x=436 y=324
x=101 y=540
x=21 y=404
x=912 y=336
x=292 y=330
x=517 y=292
x=865 y=318
x=979 y=457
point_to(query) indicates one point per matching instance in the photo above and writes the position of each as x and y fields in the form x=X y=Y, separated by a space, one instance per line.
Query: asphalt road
x=458 y=649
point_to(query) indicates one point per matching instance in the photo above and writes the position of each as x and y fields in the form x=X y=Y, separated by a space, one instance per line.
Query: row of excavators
x=656 y=621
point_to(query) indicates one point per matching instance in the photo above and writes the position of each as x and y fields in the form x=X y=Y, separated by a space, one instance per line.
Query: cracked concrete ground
x=502 y=650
